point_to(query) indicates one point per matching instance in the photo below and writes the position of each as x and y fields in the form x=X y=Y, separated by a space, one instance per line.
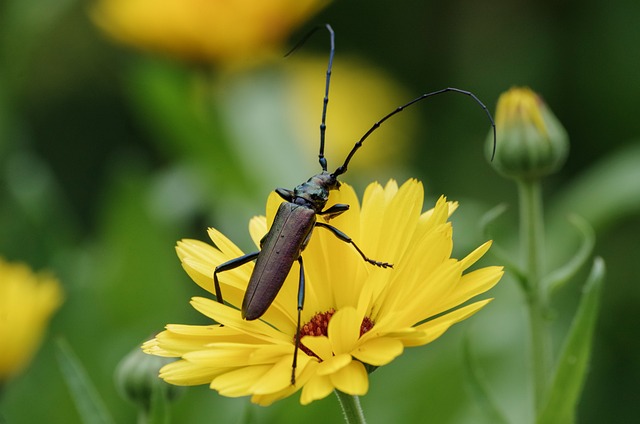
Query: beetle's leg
x=286 y=194
x=300 y=306
x=335 y=210
x=342 y=236
x=229 y=265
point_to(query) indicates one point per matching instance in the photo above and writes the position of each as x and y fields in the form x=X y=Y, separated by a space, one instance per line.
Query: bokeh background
x=110 y=154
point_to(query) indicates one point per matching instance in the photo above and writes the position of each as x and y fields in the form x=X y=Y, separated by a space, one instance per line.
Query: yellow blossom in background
x=27 y=301
x=358 y=314
x=360 y=95
x=204 y=30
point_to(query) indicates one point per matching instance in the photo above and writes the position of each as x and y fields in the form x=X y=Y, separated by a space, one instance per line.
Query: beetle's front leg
x=334 y=210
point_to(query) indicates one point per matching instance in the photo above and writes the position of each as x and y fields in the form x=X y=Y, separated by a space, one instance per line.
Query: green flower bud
x=137 y=379
x=531 y=142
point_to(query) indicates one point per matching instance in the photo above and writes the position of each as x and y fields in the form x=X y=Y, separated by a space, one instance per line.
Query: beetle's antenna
x=342 y=169
x=325 y=101
x=302 y=41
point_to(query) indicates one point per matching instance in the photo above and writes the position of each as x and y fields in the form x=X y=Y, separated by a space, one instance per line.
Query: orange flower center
x=319 y=324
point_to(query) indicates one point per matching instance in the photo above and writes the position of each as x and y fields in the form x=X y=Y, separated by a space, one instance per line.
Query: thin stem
x=351 y=408
x=532 y=238
x=157 y=411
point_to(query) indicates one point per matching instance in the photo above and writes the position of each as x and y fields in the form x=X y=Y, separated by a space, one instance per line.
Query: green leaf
x=90 y=406
x=572 y=366
x=479 y=388
x=562 y=275
x=608 y=191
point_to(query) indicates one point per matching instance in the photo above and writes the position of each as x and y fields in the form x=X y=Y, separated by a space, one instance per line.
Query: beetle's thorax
x=314 y=192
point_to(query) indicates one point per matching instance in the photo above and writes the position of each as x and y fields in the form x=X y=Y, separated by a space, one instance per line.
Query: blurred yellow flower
x=27 y=301
x=360 y=95
x=354 y=313
x=204 y=30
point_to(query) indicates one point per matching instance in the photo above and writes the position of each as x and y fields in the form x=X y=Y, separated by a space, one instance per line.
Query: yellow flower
x=358 y=314
x=27 y=301
x=204 y=30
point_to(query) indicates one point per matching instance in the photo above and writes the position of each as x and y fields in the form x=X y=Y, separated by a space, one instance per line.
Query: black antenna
x=325 y=101
x=342 y=169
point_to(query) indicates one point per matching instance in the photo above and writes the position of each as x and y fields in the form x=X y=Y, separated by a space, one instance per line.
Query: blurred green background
x=107 y=158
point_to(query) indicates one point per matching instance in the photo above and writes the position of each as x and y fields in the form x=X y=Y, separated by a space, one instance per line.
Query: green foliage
x=572 y=365
x=108 y=157
x=90 y=406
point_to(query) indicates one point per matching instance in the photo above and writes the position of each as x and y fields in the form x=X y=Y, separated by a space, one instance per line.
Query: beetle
x=297 y=217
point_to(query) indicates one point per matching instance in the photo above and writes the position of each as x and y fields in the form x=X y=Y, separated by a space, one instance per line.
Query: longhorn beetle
x=296 y=218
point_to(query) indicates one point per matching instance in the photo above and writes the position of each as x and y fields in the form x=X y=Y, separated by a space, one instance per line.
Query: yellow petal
x=304 y=373
x=472 y=284
x=269 y=398
x=437 y=216
x=184 y=373
x=473 y=257
x=239 y=382
x=225 y=245
x=379 y=351
x=278 y=378
x=270 y=353
x=400 y=219
x=352 y=379
x=273 y=203
x=371 y=218
x=435 y=328
x=231 y=317
x=319 y=345
x=229 y=354
x=199 y=261
x=344 y=330
x=316 y=388
x=334 y=364
x=257 y=229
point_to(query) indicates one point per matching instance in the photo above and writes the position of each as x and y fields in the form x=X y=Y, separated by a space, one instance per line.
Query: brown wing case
x=282 y=246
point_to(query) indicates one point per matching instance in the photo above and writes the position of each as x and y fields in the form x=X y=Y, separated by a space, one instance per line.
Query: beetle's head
x=314 y=193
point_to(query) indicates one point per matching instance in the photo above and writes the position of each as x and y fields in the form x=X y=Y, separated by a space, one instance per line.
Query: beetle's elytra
x=295 y=220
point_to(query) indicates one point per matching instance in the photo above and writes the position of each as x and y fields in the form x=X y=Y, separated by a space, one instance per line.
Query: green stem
x=157 y=412
x=532 y=238
x=350 y=408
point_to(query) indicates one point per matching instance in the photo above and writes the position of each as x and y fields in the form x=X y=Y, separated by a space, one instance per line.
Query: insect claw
x=379 y=264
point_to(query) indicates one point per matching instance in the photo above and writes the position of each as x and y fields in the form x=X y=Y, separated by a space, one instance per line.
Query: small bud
x=137 y=379
x=531 y=142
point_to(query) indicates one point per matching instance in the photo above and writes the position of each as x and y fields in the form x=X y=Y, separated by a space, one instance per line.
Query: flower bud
x=137 y=379
x=531 y=142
